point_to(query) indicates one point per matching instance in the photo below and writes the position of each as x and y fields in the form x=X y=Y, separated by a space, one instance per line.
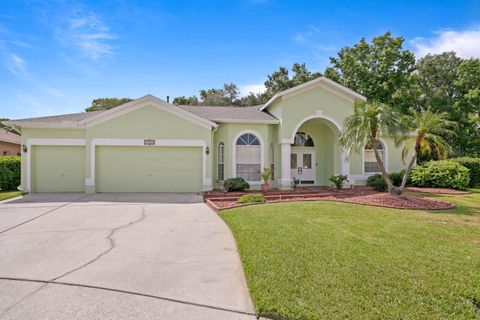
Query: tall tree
x=192 y=101
x=101 y=104
x=368 y=122
x=379 y=70
x=280 y=79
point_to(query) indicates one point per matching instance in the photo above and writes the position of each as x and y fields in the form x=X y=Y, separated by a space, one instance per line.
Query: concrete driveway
x=118 y=256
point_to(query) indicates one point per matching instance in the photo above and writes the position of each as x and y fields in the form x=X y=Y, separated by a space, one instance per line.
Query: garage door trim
x=141 y=143
x=46 y=142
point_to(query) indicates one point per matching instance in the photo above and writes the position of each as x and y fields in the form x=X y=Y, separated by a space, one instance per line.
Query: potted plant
x=267 y=173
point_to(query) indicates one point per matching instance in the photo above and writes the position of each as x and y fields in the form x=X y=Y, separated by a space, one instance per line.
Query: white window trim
x=46 y=142
x=234 y=154
x=385 y=160
x=140 y=142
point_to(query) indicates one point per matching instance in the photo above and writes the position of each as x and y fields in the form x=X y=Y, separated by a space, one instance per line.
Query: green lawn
x=327 y=260
x=9 y=194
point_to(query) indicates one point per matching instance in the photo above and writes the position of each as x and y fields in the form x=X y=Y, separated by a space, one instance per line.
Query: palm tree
x=429 y=128
x=369 y=121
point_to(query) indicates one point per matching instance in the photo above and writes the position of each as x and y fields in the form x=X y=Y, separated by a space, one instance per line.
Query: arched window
x=303 y=140
x=248 y=157
x=369 y=161
x=221 y=161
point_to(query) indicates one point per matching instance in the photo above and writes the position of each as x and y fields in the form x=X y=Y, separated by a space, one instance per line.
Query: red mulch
x=437 y=190
x=358 y=195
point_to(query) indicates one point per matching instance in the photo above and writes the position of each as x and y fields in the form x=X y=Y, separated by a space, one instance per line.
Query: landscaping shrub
x=236 y=184
x=377 y=183
x=472 y=164
x=251 y=198
x=338 y=181
x=441 y=174
x=396 y=178
x=9 y=173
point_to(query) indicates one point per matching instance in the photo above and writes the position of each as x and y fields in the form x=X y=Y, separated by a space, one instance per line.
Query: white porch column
x=345 y=164
x=286 y=178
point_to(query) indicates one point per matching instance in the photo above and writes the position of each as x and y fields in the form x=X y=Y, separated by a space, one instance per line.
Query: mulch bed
x=437 y=190
x=358 y=195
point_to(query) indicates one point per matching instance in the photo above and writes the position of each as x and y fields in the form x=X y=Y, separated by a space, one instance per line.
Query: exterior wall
x=11 y=148
x=227 y=133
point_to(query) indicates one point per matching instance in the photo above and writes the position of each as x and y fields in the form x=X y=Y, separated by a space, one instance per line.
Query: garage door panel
x=58 y=168
x=149 y=169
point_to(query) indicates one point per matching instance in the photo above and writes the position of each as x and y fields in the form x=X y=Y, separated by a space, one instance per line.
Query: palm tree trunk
x=391 y=188
x=407 y=172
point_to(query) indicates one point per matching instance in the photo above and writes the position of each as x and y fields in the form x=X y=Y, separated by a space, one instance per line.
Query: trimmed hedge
x=10 y=167
x=378 y=184
x=251 y=198
x=441 y=174
x=235 y=184
x=472 y=164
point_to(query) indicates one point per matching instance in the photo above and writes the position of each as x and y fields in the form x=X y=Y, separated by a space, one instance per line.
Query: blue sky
x=56 y=56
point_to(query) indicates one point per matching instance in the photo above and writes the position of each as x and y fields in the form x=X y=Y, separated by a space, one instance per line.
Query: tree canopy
x=101 y=104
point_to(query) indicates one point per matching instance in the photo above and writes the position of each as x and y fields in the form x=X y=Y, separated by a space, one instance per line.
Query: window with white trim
x=221 y=161
x=248 y=157
x=370 y=164
x=272 y=160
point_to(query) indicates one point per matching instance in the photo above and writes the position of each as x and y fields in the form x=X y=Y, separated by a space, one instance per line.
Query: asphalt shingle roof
x=74 y=117
x=219 y=114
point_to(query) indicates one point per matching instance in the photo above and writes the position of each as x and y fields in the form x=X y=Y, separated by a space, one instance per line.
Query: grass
x=327 y=260
x=4 y=195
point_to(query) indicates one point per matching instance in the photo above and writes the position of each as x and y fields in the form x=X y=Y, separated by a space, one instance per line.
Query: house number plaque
x=149 y=142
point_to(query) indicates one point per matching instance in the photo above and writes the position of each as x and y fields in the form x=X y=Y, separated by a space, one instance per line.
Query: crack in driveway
x=112 y=246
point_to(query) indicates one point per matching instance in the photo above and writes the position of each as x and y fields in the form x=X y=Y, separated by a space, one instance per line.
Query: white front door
x=302 y=164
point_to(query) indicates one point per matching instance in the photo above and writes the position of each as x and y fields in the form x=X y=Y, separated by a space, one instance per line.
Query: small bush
x=377 y=183
x=338 y=181
x=235 y=184
x=441 y=174
x=472 y=164
x=251 y=198
x=10 y=167
x=396 y=178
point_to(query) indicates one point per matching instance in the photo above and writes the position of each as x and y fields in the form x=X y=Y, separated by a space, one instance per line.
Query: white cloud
x=255 y=88
x=88 y=33
x=466 y=43
x=17 y=65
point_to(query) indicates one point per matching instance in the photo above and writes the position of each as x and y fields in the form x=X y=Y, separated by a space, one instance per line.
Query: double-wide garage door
x=118 y=169
x=148 y=169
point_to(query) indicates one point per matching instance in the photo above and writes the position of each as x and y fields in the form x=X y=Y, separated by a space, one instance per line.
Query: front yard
x=4 y=195
x=328 y=260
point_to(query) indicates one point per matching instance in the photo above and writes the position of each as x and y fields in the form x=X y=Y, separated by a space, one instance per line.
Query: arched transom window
x=369 y=161
x=248 y=157
x=303 y=140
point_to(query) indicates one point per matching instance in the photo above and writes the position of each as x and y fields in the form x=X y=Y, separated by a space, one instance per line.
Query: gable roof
x=319 y=82
x=10 y=137
x=141 y=102
x=232 y=114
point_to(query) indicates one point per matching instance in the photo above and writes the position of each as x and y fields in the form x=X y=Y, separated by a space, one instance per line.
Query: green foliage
x=266 y=174
x=184 y=101
x=472 y=164
x=235 y=184
x=379 y=70
x=4 y=127
x=377 y=183
x=441 y=174
x=101 y=104
x=338 y=181
x=251 y=198
x=396 y=178
x=9 y=173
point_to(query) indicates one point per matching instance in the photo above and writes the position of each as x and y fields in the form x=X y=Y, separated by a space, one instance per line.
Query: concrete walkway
x=118 y=256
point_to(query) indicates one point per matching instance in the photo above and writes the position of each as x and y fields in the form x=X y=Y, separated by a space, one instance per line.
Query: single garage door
x=58 y=169
x=148 y=169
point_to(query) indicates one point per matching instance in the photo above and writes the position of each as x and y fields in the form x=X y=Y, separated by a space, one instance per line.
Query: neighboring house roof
x=10 y=137
x=323 y=82
x=232 y=114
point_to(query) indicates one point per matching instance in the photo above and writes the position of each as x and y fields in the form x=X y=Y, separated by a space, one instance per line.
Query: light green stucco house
x=149 y=145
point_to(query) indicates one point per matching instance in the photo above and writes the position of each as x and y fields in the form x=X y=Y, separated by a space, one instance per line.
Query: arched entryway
x=313 y=153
